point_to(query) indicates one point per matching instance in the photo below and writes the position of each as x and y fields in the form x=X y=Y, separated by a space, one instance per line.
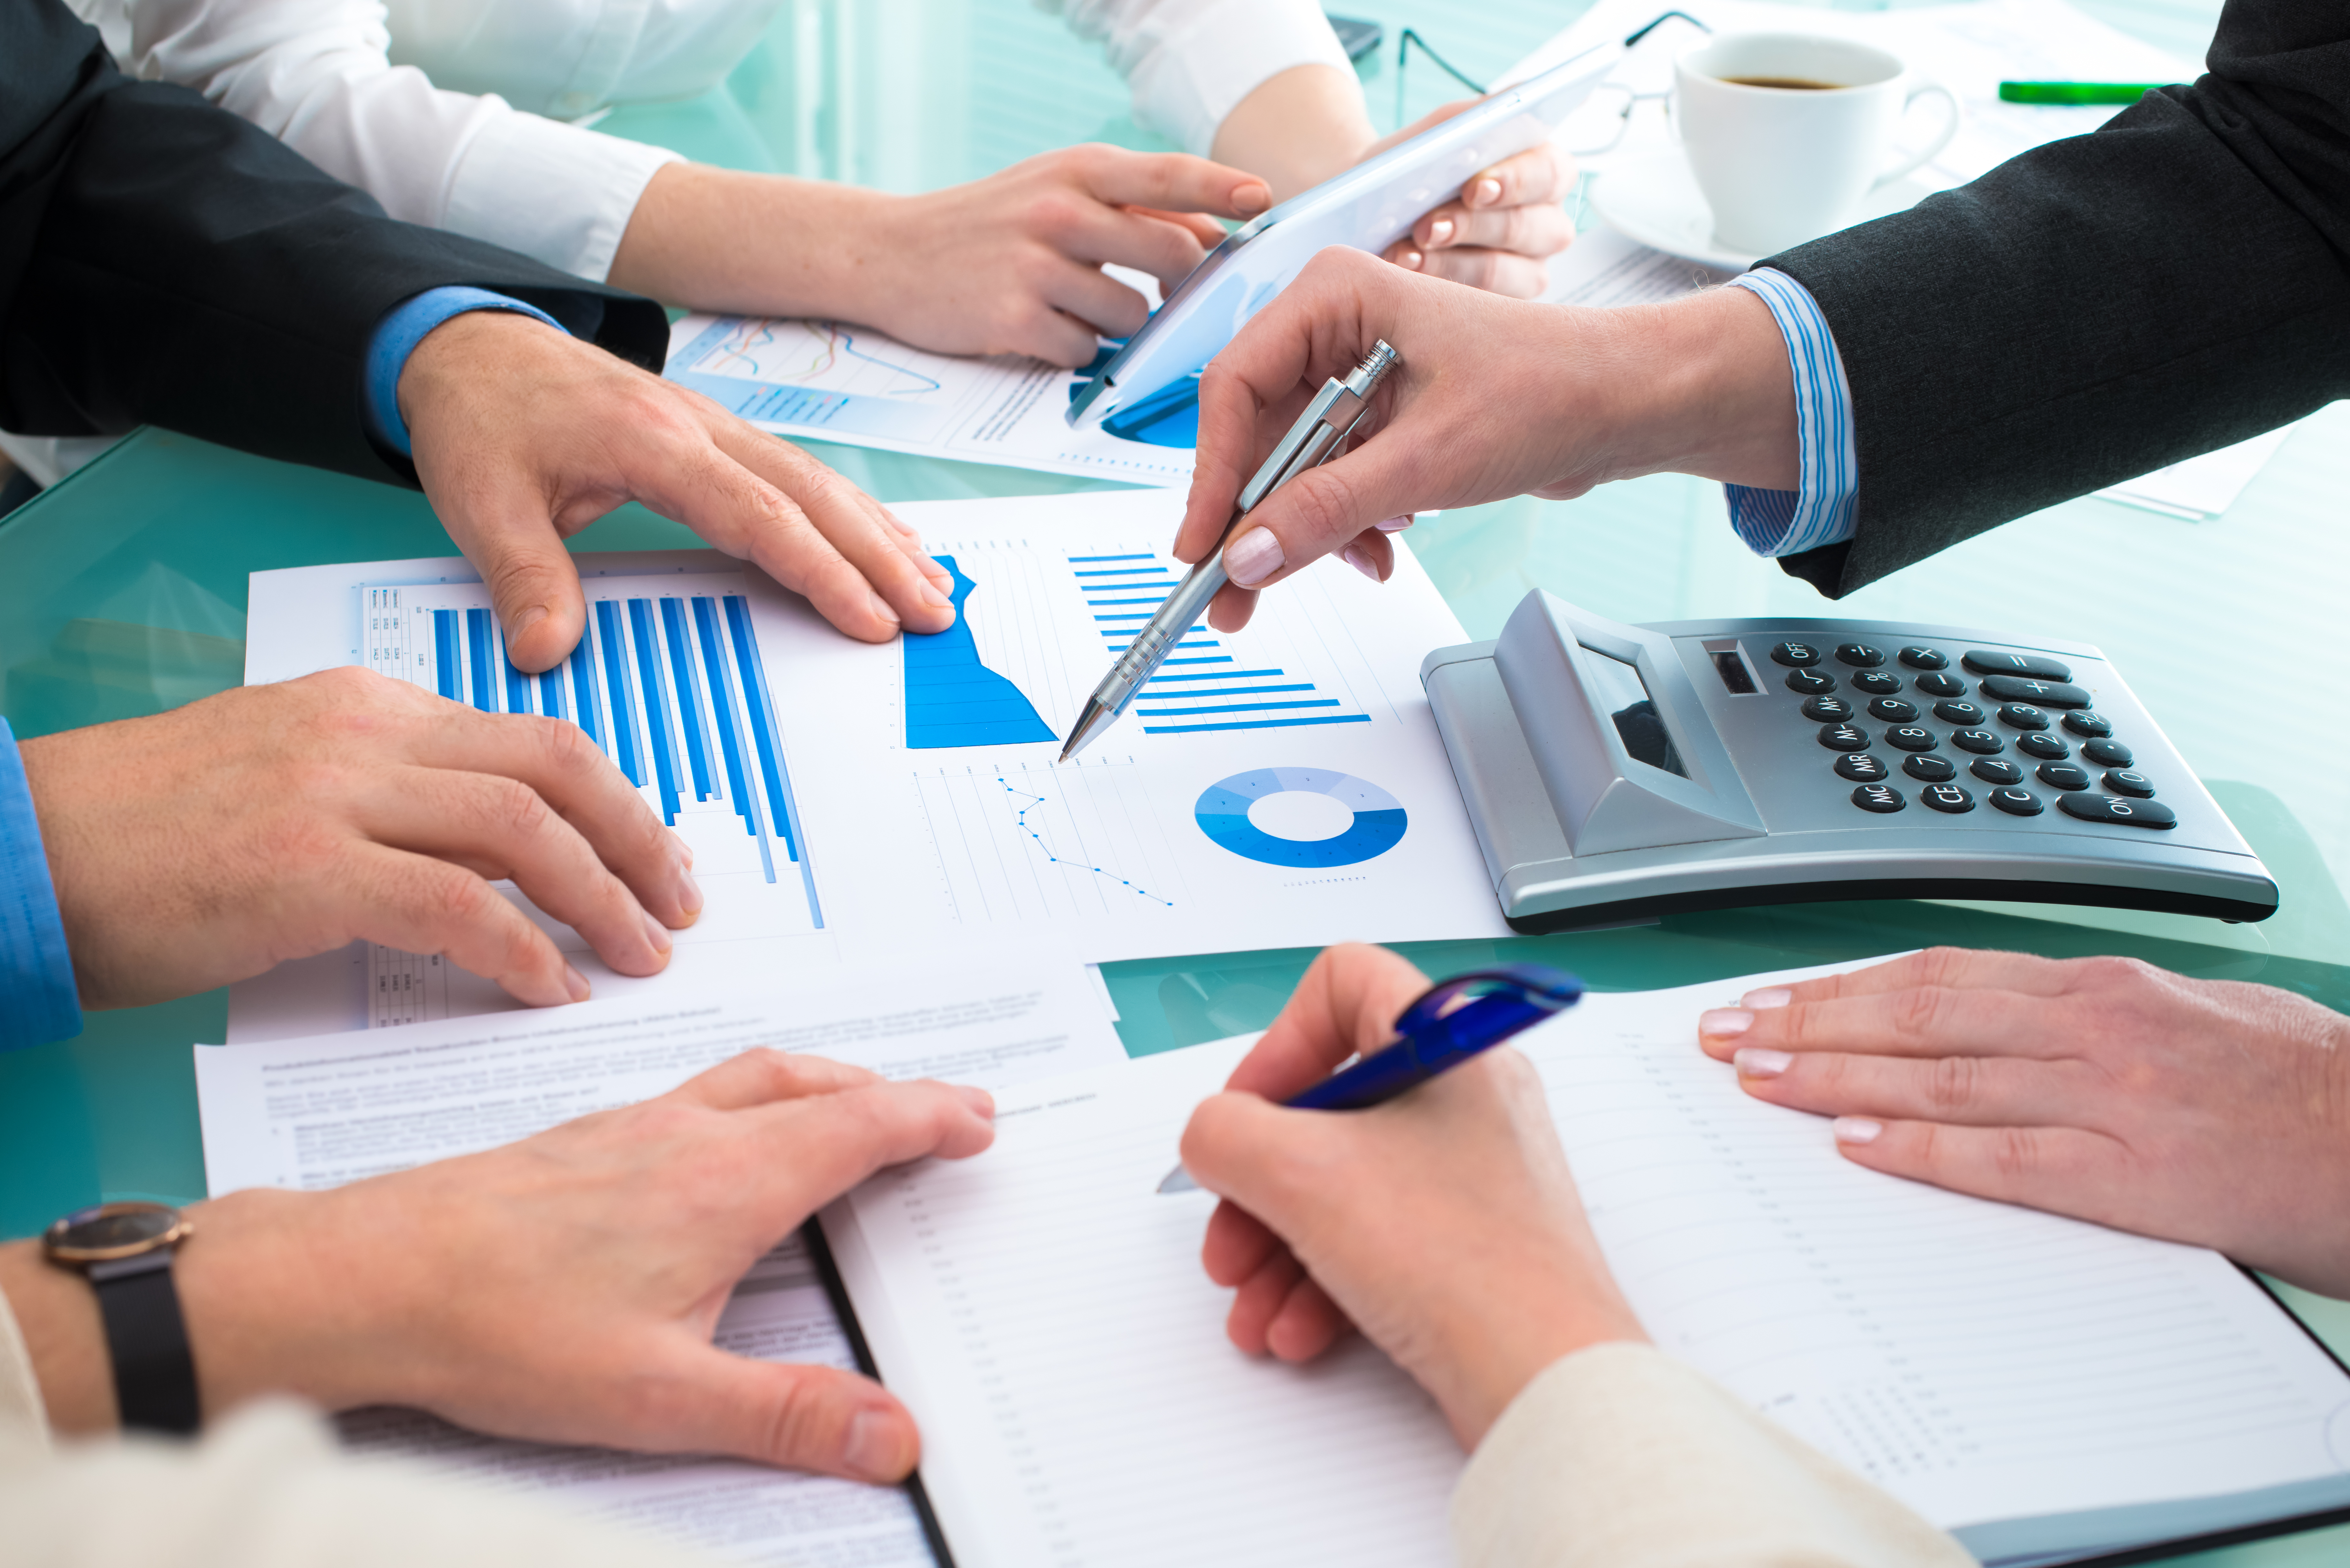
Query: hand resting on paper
x=561 y=1289
x=1493 y=398
x=1444 y=1225
x=523 y=436
x=2210 y=1112
x=199 y=846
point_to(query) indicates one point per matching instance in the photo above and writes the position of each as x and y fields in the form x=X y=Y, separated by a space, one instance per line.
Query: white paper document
x=830 y=380
x=2045 y=1388
x=313 y=1113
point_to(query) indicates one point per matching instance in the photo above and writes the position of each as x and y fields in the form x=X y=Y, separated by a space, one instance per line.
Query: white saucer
x=1655 y=200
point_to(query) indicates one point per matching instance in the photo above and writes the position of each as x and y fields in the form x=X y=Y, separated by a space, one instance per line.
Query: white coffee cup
x=1783 y=164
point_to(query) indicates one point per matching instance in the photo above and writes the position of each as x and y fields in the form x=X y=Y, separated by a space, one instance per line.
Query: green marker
x=2074 y=92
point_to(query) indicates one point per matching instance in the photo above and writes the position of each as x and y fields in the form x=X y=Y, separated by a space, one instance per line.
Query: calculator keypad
x=2030 y=695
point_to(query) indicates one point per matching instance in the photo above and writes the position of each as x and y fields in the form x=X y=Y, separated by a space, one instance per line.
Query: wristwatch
x=125 y=1249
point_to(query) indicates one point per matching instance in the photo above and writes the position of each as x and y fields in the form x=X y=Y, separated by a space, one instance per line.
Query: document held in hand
x=2046 y=1389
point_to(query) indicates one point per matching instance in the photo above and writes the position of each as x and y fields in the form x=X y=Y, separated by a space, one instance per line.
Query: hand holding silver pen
x=1319 y=434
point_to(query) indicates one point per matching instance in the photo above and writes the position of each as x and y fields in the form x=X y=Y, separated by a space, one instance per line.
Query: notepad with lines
x=2049 y=1390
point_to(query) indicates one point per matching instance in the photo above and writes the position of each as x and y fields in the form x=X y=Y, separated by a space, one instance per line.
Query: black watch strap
x=154 y=1373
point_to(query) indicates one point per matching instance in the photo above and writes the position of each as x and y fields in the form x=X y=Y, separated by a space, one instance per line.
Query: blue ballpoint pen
x=1516 y=996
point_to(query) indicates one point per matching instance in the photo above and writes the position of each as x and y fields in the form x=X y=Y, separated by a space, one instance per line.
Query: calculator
x=1615 y=772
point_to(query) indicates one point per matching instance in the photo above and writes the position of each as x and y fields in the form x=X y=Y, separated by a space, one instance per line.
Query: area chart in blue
x=1222 y=810
x=954 y=699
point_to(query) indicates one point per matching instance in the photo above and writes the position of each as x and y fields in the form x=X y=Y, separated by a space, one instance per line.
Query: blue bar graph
x=625 y=750
x=654 y=692
x=583 y=681
x=444 y=654
x=517 y=683
x=756 y=704
x=689 y=697
x=477 y=643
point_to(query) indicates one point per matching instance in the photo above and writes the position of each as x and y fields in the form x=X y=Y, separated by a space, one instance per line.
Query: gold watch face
x=111 y=1231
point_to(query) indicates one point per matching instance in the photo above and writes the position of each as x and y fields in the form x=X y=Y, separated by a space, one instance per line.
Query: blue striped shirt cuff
x=38 y=999
x=403 y=326
x=1790 y=521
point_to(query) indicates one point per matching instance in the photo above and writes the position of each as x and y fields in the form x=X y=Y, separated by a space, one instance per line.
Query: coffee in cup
x=1787 y=132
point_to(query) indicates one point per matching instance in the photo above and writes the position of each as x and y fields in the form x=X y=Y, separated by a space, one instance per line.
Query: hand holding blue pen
x=1513 y=997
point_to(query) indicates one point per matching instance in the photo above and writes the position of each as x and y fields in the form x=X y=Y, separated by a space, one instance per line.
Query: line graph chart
x=1025 y=842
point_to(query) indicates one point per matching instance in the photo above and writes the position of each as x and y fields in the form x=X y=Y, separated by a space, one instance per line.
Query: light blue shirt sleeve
x=38 y=999
x=403 y=326
x=1790 y=521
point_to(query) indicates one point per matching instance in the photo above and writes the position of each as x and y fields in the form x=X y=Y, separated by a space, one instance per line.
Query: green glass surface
x=122 y=592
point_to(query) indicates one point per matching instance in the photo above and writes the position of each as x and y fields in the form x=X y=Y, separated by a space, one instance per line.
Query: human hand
x=564 y=1289
x=199 y=846
x=524 y=435
x=1443 y=1224
x=1501 y=231
x=2210 y=1112
x=1491 y=398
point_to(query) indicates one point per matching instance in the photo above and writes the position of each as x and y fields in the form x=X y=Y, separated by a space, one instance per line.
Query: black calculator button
x=1941 y=686
x=2063 y=776
x=1795 y=655
x=1925 y=658
x=1957 y=713
x=2016 y=802
x=1877 y=682
x=1860 y=767
x=1827 y=710
x=1844 y=738
x=2044 y=693
x=2081 y=721
x=2107 y=754
x=2023 y=716
x=1893 y=711
x=2123 y=781
x=2035 y=666
x=1877 y=797
x=1810 y=681
x=2105 y=808
x=1983 y=743
x=1929 y=770
x=2047 y=748
x=1991 y=770
x=1947 y=797
x=1860 y=654
x=1910 y=738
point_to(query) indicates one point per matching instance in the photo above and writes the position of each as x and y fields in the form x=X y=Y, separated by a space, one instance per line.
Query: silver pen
x=1317 y=436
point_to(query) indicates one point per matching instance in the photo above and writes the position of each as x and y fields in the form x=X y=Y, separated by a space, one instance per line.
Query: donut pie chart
x=1222 y=810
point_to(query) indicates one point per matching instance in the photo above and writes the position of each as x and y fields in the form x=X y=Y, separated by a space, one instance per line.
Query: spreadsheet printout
x=2044 y=1387
x=313 y=1113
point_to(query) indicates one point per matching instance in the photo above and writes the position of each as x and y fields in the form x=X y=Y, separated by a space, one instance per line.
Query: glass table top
x=122 y=592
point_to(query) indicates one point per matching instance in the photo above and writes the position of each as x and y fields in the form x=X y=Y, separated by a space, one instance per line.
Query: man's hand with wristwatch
x=563 y=1288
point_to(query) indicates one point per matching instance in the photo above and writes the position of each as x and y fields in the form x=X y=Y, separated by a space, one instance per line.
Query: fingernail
x=1486 y=191
x=1250 y=199
x=1360 y=559
x=981 y=1102
x=656 y=934
x=689 y=892
x=881 y=608
x=524 y=619
x=873 y=1449
x=1772 y=996
x=1754 y=1062
x=1409 y=261
x=1440 y=231
x=1396 y=525
x=1252 y=557
x=1721 y=1020
x=575 y=982
x=1856 y=1130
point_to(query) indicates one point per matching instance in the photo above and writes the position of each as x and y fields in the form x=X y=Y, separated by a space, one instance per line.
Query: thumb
x=800 y=1418
x=511 y=542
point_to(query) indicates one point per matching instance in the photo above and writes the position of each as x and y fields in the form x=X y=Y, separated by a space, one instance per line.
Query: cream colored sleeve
x=1619 y=1455
x=1188 y=63
x=24 y=1416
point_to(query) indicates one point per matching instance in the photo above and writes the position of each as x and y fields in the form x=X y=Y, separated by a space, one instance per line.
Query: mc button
x=1877 y=797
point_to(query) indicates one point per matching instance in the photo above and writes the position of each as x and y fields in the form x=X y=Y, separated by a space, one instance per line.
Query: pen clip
x=1533 y=985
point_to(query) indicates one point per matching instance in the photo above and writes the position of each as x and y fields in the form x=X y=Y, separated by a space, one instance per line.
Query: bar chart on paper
x=668 y=683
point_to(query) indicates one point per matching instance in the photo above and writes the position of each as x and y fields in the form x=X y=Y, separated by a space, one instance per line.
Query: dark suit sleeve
x=2176 y=281
x=163 y=261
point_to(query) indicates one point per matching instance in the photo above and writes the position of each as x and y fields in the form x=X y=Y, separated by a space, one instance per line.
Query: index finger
x=1952 y=969
x=1175 y=181
x=1540 y=173
x=764 y=1074
x=1346 y=1005
x=827 y=1144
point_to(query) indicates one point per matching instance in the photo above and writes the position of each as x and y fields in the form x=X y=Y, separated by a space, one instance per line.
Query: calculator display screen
x=1624 y=696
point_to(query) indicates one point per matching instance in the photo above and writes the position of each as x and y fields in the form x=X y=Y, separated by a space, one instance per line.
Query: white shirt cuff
x=1790 y=521
x=554 y=192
